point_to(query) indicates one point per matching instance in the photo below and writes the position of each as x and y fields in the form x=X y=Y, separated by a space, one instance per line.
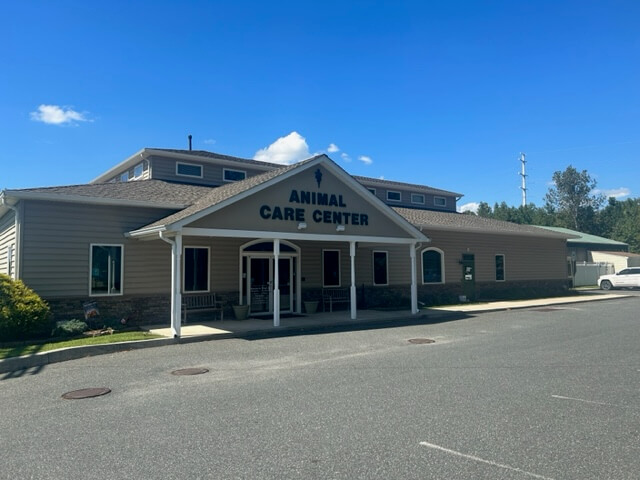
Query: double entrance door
x=259 y=286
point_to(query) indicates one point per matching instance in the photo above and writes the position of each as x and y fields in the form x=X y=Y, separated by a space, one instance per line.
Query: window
x=106 y=270
x=417 y=198
x=380 y=276
x=440 y=201
x=10 y=261
x=188 y=170
x=500 y=268
x=229 y=175
x=432 y=266
x=393 y=196
x=331 y=268
x=372 y=190
x=138 y=170
x=124 y=177
x=196 y=269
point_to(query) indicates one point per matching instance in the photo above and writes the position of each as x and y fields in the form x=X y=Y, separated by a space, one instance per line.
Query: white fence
x=588 y=273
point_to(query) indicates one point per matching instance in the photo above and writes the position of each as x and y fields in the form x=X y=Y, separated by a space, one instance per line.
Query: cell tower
x=524 y=180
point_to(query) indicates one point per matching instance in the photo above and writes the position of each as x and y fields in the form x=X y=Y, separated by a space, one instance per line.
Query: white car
x=627 y=278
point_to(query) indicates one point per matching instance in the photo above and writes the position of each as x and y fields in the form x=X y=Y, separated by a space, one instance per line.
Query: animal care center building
x=165 y=228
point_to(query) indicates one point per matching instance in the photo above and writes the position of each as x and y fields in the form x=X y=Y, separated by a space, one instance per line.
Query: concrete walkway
x=214 y=330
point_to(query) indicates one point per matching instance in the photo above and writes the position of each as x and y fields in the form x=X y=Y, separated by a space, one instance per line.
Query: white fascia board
x=57 y=197
x=215 y=232
x=136 y=158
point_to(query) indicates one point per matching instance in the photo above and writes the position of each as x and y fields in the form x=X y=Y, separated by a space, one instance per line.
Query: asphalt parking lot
x=544 y=392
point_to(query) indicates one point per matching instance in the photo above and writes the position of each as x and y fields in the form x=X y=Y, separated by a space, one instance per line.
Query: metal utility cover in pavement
x=86 y=393
x=190 y=371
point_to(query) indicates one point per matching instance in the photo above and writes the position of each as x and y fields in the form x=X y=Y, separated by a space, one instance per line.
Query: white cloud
x=56 y=115
x=209 y=141
x=285 y=150
x=345 y=157
x=614 y=192
x=332 y=148
x=365 y=159
x=469 y=207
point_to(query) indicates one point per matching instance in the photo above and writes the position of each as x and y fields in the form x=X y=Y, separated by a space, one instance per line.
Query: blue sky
x=445 y=94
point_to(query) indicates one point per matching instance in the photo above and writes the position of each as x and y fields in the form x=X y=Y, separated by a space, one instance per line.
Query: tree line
x=571 y=203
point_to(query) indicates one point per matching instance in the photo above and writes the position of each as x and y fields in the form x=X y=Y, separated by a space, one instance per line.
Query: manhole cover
x=86 y=393
x=190 y=371
x=421 y=341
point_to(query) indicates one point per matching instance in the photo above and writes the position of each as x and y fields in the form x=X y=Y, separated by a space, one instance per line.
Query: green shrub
x=69 y=328
x=23 y=314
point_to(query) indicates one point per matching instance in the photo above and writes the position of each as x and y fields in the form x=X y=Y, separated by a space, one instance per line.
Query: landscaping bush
x=23 y=314
x=69 y=328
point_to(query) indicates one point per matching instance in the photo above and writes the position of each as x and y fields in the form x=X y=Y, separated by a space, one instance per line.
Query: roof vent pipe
x=190 y=137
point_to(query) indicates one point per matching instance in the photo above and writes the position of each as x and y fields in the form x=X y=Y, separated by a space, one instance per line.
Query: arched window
x=432 y=265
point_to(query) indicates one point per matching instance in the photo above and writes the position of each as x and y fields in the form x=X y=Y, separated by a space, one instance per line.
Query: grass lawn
x=26 y=348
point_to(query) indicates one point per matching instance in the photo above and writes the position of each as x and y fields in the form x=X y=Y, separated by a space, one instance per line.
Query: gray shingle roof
x=467 y=222
x=140 y=190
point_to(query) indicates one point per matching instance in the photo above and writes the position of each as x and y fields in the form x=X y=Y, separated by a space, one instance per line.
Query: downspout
x=176 y=303
x=17 y=255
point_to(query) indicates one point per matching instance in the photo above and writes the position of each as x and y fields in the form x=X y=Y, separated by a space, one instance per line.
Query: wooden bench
x=201 y=302
x=333 y=296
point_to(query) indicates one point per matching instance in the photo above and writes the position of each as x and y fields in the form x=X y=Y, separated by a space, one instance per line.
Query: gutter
x=18 y=227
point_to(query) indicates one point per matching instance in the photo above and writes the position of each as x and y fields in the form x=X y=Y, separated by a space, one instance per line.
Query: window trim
x=419 y=195
x=10 y=260
x=224 y=173
x=324 y=285
x=504 y=267
x=442 y=266
x=184 y=259
x=386 y=267
x=444 y=201
x=141 y=167
x=189 y=165
x=392 y=199
x=119 y=294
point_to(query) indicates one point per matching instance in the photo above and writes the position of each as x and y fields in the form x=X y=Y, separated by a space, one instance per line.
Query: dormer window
x=229 y=175
x=440 y=201
x=417 y=198
x=393 y=196
x=124 y=177
x=188 y=170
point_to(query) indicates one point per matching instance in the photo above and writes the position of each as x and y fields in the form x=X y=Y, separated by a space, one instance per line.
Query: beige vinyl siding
x=526 y=258
x=7 y=239
x=56 y=240
x=165 y=169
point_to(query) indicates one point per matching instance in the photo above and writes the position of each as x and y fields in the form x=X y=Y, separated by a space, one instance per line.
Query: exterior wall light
x=340 y=228
x=302 y=225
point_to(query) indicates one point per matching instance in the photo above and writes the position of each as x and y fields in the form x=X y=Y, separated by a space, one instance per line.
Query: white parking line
x=583 y=400
x=478 y=459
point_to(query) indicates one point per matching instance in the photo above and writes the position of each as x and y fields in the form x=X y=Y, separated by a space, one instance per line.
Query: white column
x=414 y=285
x=176 y=287
x=276 y=283
x=352 y=254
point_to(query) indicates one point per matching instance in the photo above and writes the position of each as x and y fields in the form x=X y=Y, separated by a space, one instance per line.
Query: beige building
x=168 y=228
